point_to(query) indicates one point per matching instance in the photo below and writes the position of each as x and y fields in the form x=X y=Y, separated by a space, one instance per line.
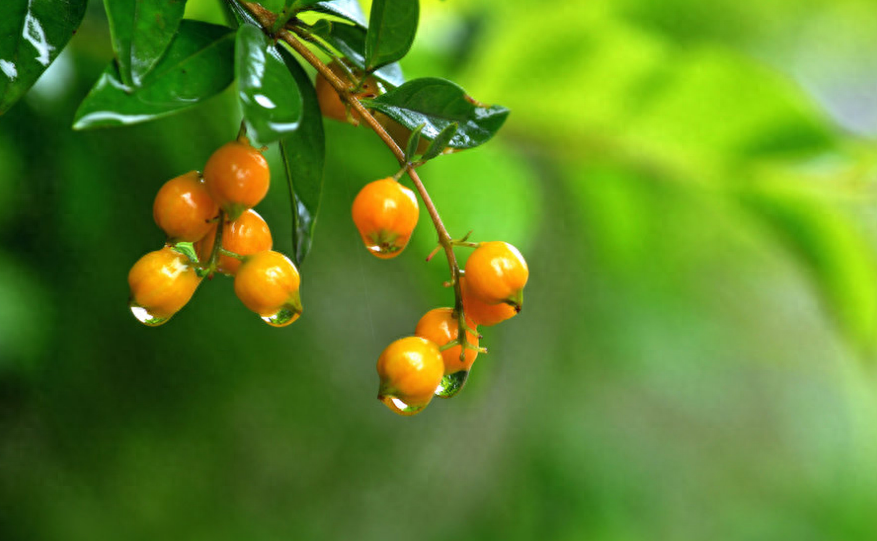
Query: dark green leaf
x=32 y=34
x=298 y=5
x=304 y=152
x=413 y=141
x=349 y=10
x=439 y=103
x=349 y=40
x=269 y=95
x=440 y=142
x=141 y=31
x=392 y=25
x=198 y=64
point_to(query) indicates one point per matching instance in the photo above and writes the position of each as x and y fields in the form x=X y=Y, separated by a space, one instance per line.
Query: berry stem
x=267 y=19
x=217 y=244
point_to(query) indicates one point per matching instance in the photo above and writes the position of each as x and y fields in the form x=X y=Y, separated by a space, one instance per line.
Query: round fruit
x=440 y=326
x=385 y=213
x=410 y=370
x=267 y=283
x=496 y=272
x=183 y=209
x=161 y=282
x=237 y=177
x=245 y=236
x=482 y=313
x=330 y=102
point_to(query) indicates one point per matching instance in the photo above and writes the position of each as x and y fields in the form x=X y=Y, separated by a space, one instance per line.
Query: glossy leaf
x=304 y=153
x=440 y=143
x=198 y=65
x=298 y=5
x=413 y=141
x=439 y=103
x=32 y=34
x=271 y=102
x=392 y=25
x=349 y=40
x=141 y=32
x=349 y=10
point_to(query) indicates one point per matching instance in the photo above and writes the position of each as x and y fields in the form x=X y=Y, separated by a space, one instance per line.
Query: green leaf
x=304 y=154
x=439 y=103
x=349 y=40
x=198 y=65
x=392 y=25
x=141 y=32
x=349 y=10
x=440 y=142
x=413 y=141
x=298 y=5
x=271 y=102
x=32 y=34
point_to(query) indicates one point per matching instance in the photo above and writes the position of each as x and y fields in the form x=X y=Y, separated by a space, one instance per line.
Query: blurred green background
x=692 y=184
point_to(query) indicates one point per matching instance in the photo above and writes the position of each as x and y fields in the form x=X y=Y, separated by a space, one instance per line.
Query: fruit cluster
x=211 y=227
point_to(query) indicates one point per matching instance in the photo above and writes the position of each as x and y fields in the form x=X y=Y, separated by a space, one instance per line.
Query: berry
x=496 y=272
x=482 y=313
x=440 y=326
x=245 y=236
x=237 y=177
x=410 y=370
x=183 y=209
x=385 y=213
x=161 y=282
x=267 y=283
x=330 y=102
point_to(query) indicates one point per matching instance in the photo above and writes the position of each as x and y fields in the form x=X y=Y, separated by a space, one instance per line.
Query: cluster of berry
x=190 y=209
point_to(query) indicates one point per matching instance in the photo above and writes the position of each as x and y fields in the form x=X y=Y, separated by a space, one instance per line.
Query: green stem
x=217 y=244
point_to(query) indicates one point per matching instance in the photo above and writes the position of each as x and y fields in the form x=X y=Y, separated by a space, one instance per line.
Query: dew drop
x=451 y=384
x=400 y=407
x=282 y=318
x=143 y=315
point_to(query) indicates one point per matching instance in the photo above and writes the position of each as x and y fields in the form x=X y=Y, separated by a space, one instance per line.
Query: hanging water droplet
x=143 y=315
x=400 y=407
x=451 y=384
x=282 y=318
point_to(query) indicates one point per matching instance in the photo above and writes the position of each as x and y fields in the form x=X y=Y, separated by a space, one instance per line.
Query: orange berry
x=440 y=326
x=330 y=102
x=267 y=283
x=482 y=313
x=161 y=283
x=385 y=213
x=410 y=370
x=496 y=272
x=246 y=235
x=183 y=209
x=237 y=177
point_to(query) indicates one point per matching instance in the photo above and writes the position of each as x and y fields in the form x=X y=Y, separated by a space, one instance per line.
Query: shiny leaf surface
x=392 y=25
x=349 y=40
x=439 y=103
x=198 y=64
x=304 y=153
x=349 y=10
x=141 y=32
x=441 y=141
x=32 y=34
x=269 y=96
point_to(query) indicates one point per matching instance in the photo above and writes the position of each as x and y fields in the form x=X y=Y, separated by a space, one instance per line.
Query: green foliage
x=391 y=29
x=32 y=35
x=349 y=40
x=141 y=33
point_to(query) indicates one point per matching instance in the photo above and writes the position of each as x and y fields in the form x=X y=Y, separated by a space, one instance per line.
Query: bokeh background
x=693 y=185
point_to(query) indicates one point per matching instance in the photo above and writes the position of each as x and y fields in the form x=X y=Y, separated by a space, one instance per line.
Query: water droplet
x=400 y=407
x=282 y=318
x=451 y=384
x=143 y=315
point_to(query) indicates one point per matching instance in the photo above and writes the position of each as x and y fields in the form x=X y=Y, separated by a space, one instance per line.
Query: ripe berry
x=330 y=102
x=440 y=326
x=237 y=177
x=482 y=313
x=183 y=209
x=161 y=282
x=410 y=370
x=267 y=283
x=385 y=213
x=496 y=272
x=246 y=235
